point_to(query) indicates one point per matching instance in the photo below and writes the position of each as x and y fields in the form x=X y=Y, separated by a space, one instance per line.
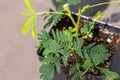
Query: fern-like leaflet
x=56 y=48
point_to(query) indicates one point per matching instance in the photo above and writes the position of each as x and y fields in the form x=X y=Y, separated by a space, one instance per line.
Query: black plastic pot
x=115 y=60
x=89 y=12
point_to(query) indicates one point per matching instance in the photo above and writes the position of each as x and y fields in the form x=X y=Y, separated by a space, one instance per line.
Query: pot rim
x=97 y=21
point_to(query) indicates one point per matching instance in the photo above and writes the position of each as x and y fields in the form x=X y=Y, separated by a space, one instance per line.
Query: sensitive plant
x=57 y=46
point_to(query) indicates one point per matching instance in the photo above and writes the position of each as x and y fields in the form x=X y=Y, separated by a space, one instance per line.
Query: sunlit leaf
x=33 y=33
x=26 y=25
x=99 y=15
x=28 y=4
x=66 y=7
x=30 y=23
x=26 y=13
x=85 y=8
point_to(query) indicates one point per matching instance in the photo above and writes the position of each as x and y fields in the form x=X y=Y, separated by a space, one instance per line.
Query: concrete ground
x=18 y=59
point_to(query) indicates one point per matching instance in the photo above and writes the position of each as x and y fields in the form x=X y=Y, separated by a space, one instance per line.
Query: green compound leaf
x=74 y=72
x=89 y=46
x=43 y=36
x=65 y=58
x=79 y=53
x=98 y=54
x=85 y=53
x=108 y=75
x=87 y=64
x=56 y=18
x=77 y=45
x=47 y=71
x=52 y=48
x=47 y=67
x=73 y=2
x=54 y=35
x=85 y=29
x=50 y=21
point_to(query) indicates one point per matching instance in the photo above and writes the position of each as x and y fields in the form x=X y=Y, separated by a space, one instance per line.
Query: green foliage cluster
x=58 y=46
x=55 y=18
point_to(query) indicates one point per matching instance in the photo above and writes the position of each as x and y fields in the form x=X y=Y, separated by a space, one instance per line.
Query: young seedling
x=59 y=46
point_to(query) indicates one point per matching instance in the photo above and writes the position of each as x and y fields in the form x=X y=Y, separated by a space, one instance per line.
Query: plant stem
x=78 y=67
x=72 y=19
x=85 y=72
x=99 y=4
x=78 y=22
x=40 y=13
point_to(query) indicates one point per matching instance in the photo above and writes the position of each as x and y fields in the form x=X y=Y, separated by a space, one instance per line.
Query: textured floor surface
x=18 y=59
